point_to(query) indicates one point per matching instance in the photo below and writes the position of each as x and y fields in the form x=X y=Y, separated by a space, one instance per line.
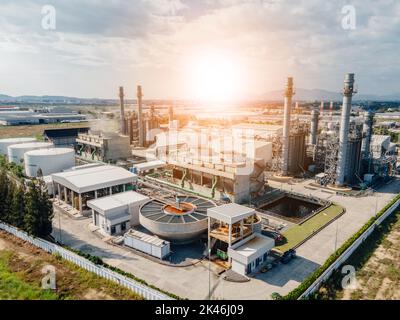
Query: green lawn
x=12 y=285
x=297 y=233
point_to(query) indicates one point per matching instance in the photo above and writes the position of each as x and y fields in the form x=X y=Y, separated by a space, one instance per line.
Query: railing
x=346 y=254
x=138 y=288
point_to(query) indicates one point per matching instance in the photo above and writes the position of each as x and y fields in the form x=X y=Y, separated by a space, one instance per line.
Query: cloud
x=148 y=40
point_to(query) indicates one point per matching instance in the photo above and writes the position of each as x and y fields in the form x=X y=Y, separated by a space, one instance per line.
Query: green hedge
x=296 y=293
x=98 y=261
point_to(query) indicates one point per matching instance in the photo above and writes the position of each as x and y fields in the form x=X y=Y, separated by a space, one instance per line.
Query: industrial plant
x=171 y=187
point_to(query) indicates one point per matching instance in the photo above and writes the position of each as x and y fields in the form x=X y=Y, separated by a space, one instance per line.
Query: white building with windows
x=117 y=213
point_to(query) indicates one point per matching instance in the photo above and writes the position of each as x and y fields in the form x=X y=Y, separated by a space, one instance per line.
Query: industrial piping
x=289 y=92
x=314 y=126
x=348 y=92
x=122 y=105
x=140 y=116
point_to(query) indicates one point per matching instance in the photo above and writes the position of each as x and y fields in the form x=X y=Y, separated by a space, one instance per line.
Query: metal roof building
x=75 y=188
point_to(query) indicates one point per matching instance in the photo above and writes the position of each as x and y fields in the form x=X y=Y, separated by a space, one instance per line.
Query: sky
x=188 y=49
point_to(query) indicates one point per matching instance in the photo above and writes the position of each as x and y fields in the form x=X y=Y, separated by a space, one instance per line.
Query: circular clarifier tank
x=180 y=220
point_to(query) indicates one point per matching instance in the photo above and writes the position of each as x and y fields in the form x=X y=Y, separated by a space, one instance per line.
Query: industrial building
x=140 y=127
x=48 y=161
x=76 y=187
x=117 y=213
x=231 y=237
x=18 y=117
x=347 y=154
x=64 y=137
x=103 y=146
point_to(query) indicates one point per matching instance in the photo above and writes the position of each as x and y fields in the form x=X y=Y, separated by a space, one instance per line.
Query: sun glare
x=214 y=78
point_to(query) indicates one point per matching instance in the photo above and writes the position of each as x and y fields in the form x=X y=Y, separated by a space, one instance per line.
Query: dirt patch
x=72 y=282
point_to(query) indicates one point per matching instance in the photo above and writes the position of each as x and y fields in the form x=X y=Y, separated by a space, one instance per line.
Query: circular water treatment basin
x=180 y=209
x=179 y=221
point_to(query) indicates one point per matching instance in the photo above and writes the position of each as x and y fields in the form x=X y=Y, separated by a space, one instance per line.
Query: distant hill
x=319 y=94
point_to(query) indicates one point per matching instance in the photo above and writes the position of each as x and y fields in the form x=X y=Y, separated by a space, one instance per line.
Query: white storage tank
x=16 y=151
x=5 y=143
x=50 y=161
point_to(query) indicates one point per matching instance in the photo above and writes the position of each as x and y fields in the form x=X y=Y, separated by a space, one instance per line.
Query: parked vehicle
x=278 y=237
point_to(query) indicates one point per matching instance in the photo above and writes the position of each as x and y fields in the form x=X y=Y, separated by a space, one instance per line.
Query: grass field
x=377 y=265
x=297 y=233
x=35 y=130
x=21 y=274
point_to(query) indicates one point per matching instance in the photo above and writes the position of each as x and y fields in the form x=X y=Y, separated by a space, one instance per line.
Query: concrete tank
x=16 y=151
x=181 y=221
x=50 y=161
x=5 y=143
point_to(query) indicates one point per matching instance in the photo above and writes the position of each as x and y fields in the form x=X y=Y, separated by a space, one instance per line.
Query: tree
x=38 y=210
x=4 y=185
x=46 y=210
x=32 y=208
x=17 y=208
x=8 y=200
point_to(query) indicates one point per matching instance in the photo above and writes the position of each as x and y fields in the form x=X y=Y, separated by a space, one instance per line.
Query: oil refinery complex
x=243 y=195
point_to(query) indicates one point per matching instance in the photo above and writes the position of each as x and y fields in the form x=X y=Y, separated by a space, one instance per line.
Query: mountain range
x=275 y=95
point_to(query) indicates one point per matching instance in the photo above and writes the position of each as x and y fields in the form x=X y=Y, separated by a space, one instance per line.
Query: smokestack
x=314 y=126
x=289 y=92
x=297 y=105
x=122 y=106
x=348 y=93
x=170 y=114
x=367 y=128
x=140 y=116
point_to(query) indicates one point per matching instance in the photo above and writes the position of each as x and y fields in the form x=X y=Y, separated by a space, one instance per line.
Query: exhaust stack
x=348 y=93
x=140 y=115
x=289 y=93
x=122 y=106
x=314 y=126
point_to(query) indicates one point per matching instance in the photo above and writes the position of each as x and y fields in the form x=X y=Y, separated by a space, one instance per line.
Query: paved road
x=193 y=282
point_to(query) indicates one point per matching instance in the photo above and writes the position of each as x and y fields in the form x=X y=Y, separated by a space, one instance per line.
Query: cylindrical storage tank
x=5 y=143
x=16 y=151
x=50 y=161
x=180 y=222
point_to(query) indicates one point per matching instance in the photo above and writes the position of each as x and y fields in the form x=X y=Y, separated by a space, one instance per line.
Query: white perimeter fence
x=345 y=255
x=141 y=289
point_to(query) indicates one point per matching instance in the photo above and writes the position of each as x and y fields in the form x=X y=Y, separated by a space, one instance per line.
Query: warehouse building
x=75 y=188
x=117 y=213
